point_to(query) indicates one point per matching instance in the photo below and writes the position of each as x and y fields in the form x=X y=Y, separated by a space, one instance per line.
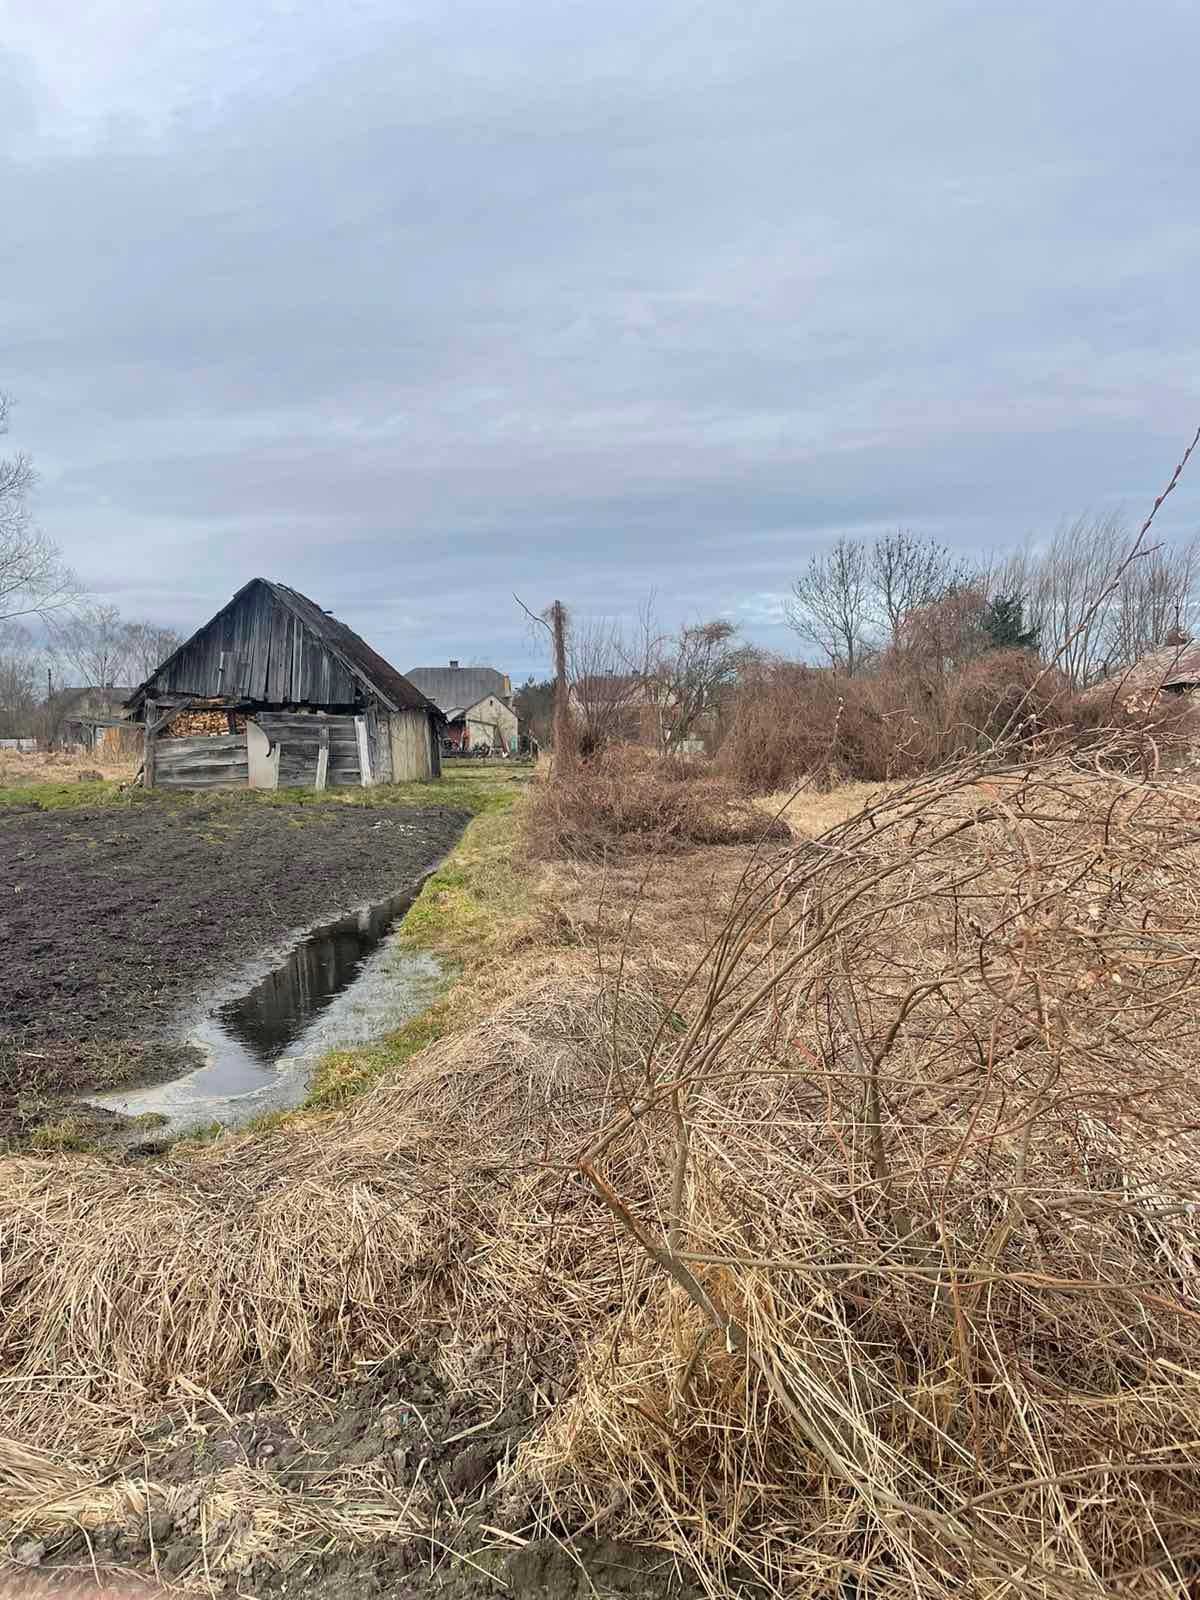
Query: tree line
x=905 y=613
x=53 y=635
x=1078 y=598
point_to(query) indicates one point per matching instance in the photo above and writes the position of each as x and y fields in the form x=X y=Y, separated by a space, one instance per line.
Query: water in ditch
x=342 y=983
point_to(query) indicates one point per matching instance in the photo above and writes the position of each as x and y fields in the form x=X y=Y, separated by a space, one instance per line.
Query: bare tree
x=832 y=603
x=97 y=648
x=19 y=681
x=695 y=668
x=907 y=573
x=146 y=647
x=34 y=579
x=615 y=694
x=90 y=643
x=939 y=638
x=1068 y=576
x=1154 y=598
x=1097 y=602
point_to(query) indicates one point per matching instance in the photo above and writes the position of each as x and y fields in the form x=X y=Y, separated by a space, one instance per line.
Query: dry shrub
x=1130 y=735
x=792 y=722
x=294 y=1255
x=19 y=767
x=627 y=798
x=916 y=1195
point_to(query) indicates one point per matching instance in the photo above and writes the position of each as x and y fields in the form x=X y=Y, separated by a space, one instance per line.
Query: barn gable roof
x=354 y=653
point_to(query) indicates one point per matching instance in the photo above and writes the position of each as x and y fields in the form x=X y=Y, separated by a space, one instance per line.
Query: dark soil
x=443 y=1458
x=113 y=919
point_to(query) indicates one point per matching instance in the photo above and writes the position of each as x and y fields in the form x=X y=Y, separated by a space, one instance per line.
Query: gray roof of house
x=453 y=687
x=72 y=699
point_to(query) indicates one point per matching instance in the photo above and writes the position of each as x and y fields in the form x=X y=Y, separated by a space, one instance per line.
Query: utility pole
x=564 y=742
x=564 y=729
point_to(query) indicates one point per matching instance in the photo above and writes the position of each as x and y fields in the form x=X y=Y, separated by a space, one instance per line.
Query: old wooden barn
x=274 y=692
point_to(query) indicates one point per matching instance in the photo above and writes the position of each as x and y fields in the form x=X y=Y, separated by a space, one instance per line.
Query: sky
x=415 y=304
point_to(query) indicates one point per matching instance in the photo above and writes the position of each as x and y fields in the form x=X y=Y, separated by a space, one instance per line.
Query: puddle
x=342 y=983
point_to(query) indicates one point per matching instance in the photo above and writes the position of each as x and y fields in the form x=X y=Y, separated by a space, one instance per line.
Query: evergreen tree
x=1004 y=624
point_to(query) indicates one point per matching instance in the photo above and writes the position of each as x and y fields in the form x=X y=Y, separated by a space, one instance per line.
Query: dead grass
x=811 y=811
x=838 y=1202
x=18 y=767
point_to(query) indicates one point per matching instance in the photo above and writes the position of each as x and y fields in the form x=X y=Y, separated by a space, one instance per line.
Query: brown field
x=18 y=767
x=810 y=810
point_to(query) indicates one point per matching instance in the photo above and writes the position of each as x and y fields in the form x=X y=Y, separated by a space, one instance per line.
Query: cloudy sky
x=414 y=303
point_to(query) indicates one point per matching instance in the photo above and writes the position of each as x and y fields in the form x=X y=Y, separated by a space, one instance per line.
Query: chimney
x=454 y=663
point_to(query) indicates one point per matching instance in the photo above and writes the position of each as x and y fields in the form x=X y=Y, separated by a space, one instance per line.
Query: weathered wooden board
x=219 y=762
x=259 y=650
x=410 y=746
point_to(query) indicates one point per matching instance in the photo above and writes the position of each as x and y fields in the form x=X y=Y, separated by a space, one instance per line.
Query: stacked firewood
x=196 y=722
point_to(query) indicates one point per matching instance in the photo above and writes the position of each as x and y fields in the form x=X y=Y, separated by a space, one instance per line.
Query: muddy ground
x=439 y=1460
x=114 y=919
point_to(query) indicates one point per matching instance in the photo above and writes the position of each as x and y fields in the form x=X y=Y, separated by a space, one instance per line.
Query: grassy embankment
x=462 y=911
x=474 y=786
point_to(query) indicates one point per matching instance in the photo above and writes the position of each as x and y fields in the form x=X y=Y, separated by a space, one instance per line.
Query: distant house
x=620 y=705
x=476 y=702
x=83 y=718
x=274 y=692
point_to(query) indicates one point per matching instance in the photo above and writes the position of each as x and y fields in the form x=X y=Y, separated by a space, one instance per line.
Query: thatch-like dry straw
x=860 y=1261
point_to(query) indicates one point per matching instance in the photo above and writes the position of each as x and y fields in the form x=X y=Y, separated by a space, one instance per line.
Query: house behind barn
x=476 y=702
x=274 y=692
x=83 y=718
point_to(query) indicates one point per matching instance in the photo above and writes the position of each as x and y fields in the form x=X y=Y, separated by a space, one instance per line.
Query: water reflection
x=277 y=1011
x=342 y=984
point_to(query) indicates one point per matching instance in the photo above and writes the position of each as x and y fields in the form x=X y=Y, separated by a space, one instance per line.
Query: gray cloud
x=414 y=310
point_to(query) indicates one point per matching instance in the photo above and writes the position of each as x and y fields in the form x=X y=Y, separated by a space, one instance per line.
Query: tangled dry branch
x=920 y=1179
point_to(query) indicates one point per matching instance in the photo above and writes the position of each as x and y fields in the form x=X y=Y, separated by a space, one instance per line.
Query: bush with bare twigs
x=626 y=798
x=918 y=1190
x=792 y=722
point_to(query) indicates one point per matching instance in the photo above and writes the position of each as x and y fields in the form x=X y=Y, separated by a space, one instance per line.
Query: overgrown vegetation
x=905 y=1162
x=831 y=1206
x=789 y=722
x=627 y=798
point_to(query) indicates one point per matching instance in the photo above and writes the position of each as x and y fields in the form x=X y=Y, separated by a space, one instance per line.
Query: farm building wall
x=274 y=750
x=299 y=749
x=212 y=761
x=489 y=721
x=411 y=746
x=256 y=649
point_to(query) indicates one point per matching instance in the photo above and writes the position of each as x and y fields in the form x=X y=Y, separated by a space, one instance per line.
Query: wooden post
x=150 y=726
x=322 y=756
x=564 y=732
x=364 y=752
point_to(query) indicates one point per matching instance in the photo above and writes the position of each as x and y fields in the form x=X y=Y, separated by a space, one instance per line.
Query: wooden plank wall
x=412 y=754
x=268 y=655
x=217 y=762
x=298 y=735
